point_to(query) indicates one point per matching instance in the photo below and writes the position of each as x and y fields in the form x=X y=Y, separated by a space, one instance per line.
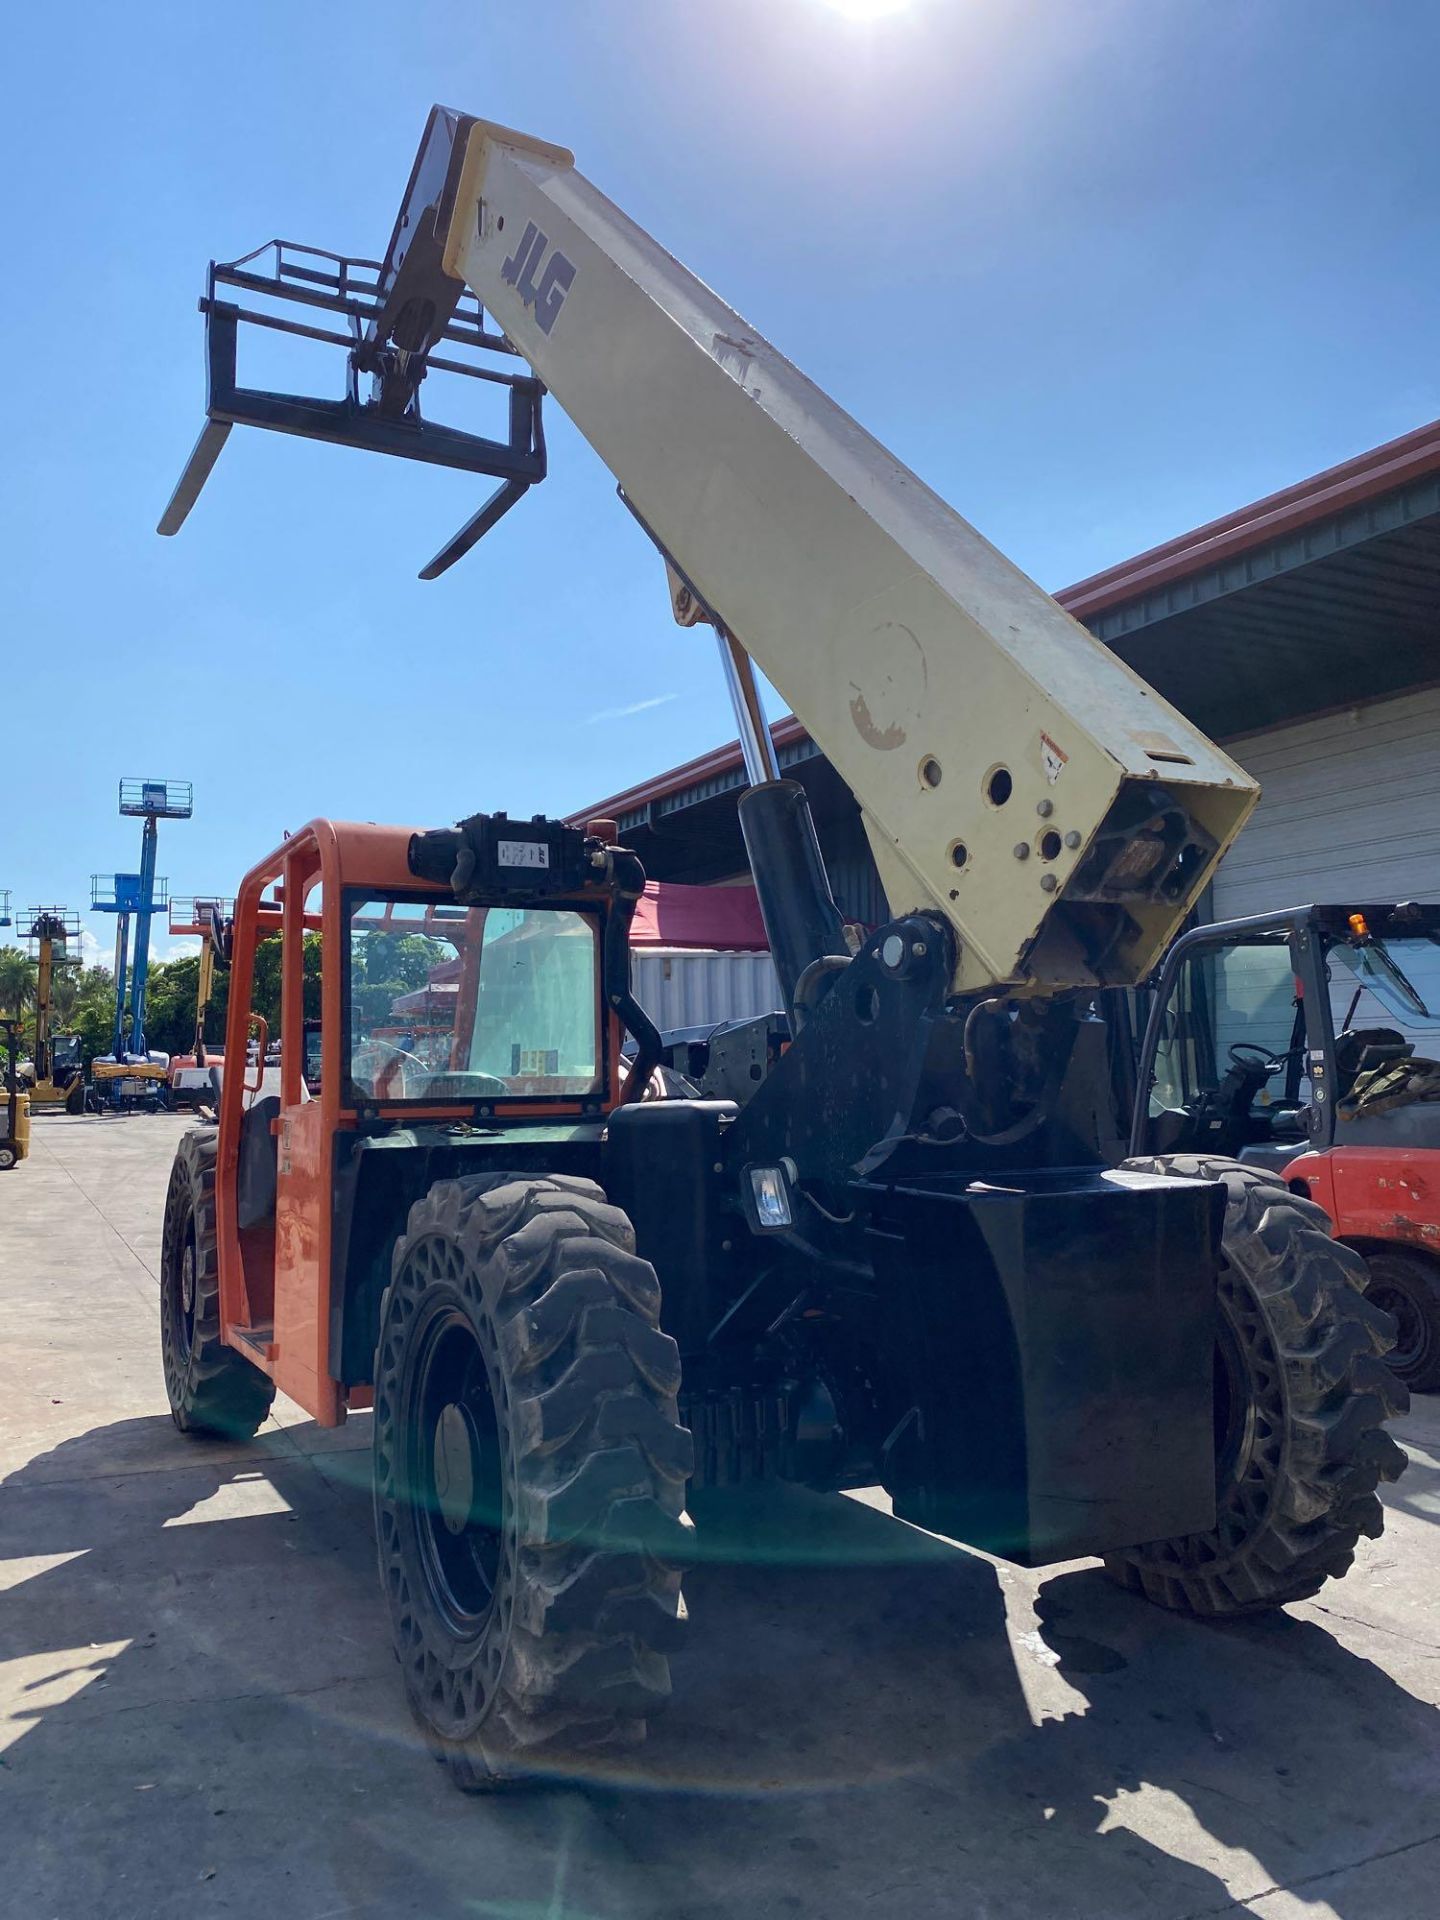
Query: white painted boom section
x=921 y=660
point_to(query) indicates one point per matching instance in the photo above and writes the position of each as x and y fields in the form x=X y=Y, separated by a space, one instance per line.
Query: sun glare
x=866 y=9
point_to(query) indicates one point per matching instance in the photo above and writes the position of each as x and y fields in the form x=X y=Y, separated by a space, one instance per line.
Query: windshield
x=1400 y=977
x=65 y=1050
x=471 y=1003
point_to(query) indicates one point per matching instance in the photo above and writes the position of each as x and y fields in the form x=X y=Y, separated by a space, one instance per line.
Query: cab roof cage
x=396 y=311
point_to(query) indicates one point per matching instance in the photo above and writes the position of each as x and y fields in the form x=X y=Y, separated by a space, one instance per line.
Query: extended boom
x=1013 y=775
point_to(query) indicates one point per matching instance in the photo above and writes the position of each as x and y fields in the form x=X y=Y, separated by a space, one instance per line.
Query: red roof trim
x=719 y=760
x=1352 y=482
x=1411 y=457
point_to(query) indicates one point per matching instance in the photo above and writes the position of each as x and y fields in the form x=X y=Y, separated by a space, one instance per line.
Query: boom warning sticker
x=1052 y=758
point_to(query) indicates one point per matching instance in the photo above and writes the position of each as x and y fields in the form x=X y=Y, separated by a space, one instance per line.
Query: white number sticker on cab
x=523 y=853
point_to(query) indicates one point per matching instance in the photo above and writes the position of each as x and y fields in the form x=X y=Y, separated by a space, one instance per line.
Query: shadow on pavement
x=198 y=1643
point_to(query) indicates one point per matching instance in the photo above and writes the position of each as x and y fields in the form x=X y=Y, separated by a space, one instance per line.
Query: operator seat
x=1361 y=1049
x=259 y=1154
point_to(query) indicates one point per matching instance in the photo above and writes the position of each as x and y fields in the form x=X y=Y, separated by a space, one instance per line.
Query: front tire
x=1301 y=1396
x=530 y=1476
x=212 y=1389
x=1407 y=1287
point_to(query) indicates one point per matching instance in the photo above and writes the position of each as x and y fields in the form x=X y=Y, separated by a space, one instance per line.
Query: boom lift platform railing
x=57 y=926
x=121 y=893
x=193 y=913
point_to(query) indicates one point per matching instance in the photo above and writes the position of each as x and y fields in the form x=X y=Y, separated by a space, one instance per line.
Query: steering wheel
x=1246 y=1054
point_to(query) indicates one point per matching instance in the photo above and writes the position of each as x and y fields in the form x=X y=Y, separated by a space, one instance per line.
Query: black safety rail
x=194 y=912
x=58 y=925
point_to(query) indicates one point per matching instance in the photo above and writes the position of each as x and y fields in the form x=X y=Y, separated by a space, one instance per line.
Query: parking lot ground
x=200 y=1714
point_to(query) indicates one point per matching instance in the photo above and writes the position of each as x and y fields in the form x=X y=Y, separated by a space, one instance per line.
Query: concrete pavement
x=200 y=1714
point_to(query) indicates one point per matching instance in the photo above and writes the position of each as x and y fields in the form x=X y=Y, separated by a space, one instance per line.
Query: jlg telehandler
x=904 y=1260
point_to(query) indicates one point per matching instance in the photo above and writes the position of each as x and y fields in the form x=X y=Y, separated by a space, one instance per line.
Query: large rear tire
x=212 y=1389
x=530 y=1476
x=1301 y=1396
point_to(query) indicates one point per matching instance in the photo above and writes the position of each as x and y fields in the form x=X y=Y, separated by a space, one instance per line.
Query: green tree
x=17 y=983
x=172 y=987
x=383 y=966
x=93 y=1015
x=65 y=993
x=170 y=990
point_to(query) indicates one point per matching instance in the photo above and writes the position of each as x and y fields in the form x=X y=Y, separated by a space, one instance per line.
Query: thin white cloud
x=624 y=713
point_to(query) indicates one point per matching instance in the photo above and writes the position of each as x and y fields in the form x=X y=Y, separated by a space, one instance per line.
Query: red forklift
x=1307 y=1043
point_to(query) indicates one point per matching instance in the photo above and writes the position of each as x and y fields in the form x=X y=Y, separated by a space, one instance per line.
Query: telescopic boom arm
x=1013 y=775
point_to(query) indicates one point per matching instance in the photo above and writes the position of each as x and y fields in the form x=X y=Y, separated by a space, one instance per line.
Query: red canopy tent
x=670 y=915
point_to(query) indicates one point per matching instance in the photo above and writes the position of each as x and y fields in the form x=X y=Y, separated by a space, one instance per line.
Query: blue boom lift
x=131 y=1077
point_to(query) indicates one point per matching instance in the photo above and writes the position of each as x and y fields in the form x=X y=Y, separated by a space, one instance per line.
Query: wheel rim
x=453 y=1444
x=1412 y=1325
x=185 y=1319
x=1234 y=1410
x=1249 y=1416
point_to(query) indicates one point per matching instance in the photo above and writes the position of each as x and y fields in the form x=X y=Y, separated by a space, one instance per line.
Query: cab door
x=303 y=1161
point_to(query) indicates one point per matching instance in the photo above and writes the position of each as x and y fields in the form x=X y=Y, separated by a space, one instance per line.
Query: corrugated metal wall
x=851 y=867
x=690 y=987
x=1350 y=810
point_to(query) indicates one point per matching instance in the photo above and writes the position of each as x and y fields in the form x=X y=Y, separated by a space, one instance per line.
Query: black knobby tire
x=530 y=1473
x=1407 y=1287
x=1302 y=1393
x=212 y=1389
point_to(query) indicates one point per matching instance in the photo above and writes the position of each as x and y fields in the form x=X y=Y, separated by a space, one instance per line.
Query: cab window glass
x=1232 y=996
x=471 y=1003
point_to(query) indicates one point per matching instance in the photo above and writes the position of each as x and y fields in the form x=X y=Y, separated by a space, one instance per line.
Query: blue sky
x=1097 y=269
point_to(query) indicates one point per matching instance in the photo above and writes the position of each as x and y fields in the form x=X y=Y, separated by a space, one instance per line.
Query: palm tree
x=17 y=982
x=65 y=993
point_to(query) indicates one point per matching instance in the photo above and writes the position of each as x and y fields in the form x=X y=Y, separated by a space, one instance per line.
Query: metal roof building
x=1302 y=631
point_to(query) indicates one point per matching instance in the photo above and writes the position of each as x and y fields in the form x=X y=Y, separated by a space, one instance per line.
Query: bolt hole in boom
x=1050 y=844
x=998 y=786
x=959 y=853
x=930 y=771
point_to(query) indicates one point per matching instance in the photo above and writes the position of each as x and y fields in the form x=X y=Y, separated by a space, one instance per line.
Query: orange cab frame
x=276 y=1274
